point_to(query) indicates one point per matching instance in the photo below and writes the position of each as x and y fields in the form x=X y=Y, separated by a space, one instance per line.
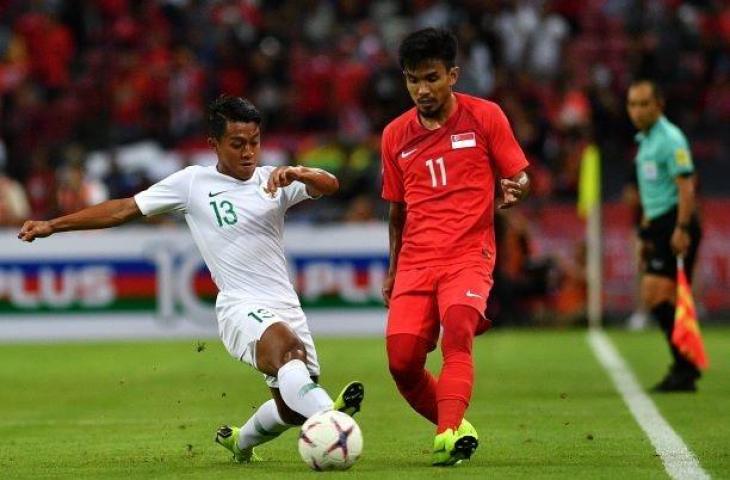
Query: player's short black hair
x=226 y=109
x=656 y=89
x=427 y=44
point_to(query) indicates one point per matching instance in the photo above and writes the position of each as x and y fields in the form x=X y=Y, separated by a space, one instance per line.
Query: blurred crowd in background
x=99 y=99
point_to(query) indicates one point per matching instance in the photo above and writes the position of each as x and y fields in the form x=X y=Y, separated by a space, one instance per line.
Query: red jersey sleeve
x=506 y=153
x=391 y=172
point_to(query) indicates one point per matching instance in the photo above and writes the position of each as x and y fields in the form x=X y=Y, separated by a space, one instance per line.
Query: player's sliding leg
x=407 y=360
x=298 y=390
x=265 y=425
x=282 y=354
x=454 y=441
x=273 y=418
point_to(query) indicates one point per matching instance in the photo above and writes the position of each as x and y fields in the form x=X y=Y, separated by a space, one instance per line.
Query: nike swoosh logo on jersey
x=471 y=294
x=408 y=153
x=211 y=194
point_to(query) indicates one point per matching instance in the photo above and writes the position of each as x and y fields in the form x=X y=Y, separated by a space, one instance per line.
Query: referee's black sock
x=664 y=315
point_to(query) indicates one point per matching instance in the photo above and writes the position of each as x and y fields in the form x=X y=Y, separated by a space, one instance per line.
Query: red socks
x=455 y=383
x=406 y=359
x=443 y=402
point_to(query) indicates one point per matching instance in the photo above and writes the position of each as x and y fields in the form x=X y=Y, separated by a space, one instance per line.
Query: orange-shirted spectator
x=569 y=300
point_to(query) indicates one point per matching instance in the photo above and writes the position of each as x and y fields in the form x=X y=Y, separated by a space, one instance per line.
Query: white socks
x=263 y=426
x=299 y=392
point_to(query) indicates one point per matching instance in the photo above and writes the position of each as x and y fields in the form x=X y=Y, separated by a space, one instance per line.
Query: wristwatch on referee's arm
x=683 y=226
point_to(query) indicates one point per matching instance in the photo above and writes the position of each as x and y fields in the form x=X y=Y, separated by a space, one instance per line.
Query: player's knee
x=292 y=349
x=406 y=356
x=277 y=347
x=400 y=366
x=296 y=352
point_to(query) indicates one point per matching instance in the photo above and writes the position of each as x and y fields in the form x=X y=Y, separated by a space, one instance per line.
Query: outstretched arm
x=104 y=215
x=395 y=232
x=318 y=181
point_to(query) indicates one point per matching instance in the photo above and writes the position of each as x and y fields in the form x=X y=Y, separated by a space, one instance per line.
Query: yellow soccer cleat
x=227 y=437
x=350 y=398
x=452 y=447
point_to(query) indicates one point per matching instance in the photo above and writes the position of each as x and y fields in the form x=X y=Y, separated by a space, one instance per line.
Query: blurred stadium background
x=101 y=99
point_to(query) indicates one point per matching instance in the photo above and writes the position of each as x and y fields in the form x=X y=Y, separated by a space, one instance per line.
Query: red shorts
x=421 y=297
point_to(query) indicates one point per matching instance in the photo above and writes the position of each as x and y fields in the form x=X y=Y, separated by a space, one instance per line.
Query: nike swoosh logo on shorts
x=471 y=294
x=408 y=153
x=211 y=194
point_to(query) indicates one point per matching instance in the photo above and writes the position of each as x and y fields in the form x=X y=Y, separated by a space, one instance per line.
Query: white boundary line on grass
x=678 y=459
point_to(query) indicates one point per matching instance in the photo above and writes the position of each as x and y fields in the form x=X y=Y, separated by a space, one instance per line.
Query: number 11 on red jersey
x=432 y=170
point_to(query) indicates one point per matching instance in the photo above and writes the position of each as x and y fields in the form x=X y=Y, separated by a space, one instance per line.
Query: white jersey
x=237 y=227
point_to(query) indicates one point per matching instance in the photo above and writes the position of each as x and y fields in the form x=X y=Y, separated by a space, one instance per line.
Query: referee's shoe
x=679 y=379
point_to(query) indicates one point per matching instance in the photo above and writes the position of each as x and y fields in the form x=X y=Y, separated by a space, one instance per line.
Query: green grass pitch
x=543 y=406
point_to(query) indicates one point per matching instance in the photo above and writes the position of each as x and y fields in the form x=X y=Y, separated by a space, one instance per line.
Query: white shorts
x=240 y=326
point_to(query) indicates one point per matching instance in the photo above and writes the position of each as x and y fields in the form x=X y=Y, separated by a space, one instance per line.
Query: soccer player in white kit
x=235 y=211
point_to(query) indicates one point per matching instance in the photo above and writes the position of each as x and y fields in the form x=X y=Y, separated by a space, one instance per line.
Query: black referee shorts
x=657 y=257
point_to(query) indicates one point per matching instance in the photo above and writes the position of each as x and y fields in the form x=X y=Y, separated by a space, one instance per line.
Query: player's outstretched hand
x=33 y=229
x=281 y=177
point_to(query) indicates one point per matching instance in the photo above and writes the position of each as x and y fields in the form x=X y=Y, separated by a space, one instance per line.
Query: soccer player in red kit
x=441 y=160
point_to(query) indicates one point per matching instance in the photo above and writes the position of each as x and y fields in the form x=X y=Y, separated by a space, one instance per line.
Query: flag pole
x=589 y=207
x=594 y=268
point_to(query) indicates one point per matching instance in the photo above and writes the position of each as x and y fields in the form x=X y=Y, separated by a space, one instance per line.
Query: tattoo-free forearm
x=397 y=219
x=318 y=181
x=107 y=214
x=686 y=206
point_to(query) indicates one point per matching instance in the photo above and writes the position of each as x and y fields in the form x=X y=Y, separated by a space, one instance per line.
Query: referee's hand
x=680 y=242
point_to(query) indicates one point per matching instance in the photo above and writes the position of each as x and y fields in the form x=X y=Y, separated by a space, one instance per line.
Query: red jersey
x=446 y=179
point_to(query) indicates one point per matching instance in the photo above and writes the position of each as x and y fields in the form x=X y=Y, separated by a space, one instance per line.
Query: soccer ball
x=330 y=440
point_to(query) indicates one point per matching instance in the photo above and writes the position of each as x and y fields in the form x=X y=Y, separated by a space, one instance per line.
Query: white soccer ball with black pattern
x=330 y=440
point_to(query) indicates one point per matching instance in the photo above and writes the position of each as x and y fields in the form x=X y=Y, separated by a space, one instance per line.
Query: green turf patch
x=702 y=419
x=542 y=405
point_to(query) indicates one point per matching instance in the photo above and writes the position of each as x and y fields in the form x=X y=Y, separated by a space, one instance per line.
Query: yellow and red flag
x=686 y=335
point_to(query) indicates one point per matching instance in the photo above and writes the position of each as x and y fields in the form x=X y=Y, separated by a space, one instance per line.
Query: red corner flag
x=686 y=335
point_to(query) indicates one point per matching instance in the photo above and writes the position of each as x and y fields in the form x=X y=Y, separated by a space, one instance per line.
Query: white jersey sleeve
x=171 y=194
x=294 y=193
